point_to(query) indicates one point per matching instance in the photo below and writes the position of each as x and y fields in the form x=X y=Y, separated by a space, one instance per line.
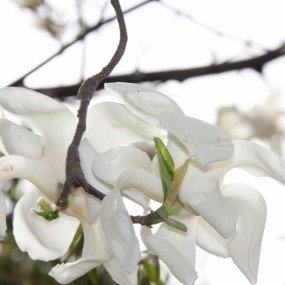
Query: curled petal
x=258 y=160
x=177 y=150
x=143 y=181
x=206 y=199
x=175 y=248
x=209 y=239
x=206 y=143
x=253 y=158
x=43 y=113
x=22 y=101
x=19 y=140
x=119 y=275
x=43 y=240
x=119 y=231
x=87 y=155
x=144 y=102
x=95 y=252
x=111 y=164
x=245 y=246
x=117 y=126
x=14 y=166
x=3 y=225
x=65 y=273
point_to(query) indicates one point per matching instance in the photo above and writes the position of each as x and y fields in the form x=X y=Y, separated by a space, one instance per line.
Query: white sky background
x=159 y=39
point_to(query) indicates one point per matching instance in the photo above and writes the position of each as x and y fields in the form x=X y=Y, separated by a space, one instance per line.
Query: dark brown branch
x=20 y=82
x=255 y=63
x=74 y=174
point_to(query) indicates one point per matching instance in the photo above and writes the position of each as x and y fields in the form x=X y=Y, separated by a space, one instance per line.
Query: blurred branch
x=20 y=81
x=255 y=63
x=209 y=28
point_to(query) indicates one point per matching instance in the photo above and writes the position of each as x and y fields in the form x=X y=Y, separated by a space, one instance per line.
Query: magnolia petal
x=95 y=252
x=119 y=231
x=143 y=101
x=206 y=143
x=14 y=166
x=65 y=273
x=3 y=225
x=119 y=275
x=87 y=154
x=245 y=246
x=175 y=248
x=143 y=181
x=206 y=199
x=254 y=159
x=43 y=240
x=209 y=239
x=258 y=160
x=42 y=112
x=19 y=140
x=95 y=243
x=177 y=150
x=22 y=101
x=111 y=124
x=111 y=164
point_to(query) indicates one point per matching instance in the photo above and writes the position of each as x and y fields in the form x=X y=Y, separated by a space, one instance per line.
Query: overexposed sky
x=161 y=39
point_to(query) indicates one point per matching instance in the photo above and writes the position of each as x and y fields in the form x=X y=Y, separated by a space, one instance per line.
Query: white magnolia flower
x=117 y=158
x=36 y=151
x=226 y=220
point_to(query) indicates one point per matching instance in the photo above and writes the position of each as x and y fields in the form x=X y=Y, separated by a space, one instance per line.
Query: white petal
x=119 y=275
x=209 y=239
x=3 y=225
x=144 y=102
x=142 y=181
x=119 y=231
x=67 y=272
x=245 y=246
x=95 y=252
x=95 y=243
x=177 y=150
x=87 y=154
x=206 y=199
x=14 y=166
x=19 y=140
x=111 y=164
x=206 y=143
x=253 y=158
x=258 y=160
x=175 y=248
x=42 y=112
x=42 y=239
x=111 y=124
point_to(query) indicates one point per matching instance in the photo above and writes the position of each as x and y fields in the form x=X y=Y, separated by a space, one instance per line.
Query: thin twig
x=20 y=82
x=74 y=173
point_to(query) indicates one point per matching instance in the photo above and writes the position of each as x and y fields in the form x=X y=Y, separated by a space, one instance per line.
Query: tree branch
x=20 y=82
x=74 y=174
x=255 y=63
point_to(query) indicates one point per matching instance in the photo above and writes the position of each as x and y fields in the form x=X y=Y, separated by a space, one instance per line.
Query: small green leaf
x=175 y=185
x=151 y=271
x=47 y=210
x=176 y=224
x=49 y=216
x=166 y=165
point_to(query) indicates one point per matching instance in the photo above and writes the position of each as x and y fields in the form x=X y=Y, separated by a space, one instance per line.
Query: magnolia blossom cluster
x=119 y=158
